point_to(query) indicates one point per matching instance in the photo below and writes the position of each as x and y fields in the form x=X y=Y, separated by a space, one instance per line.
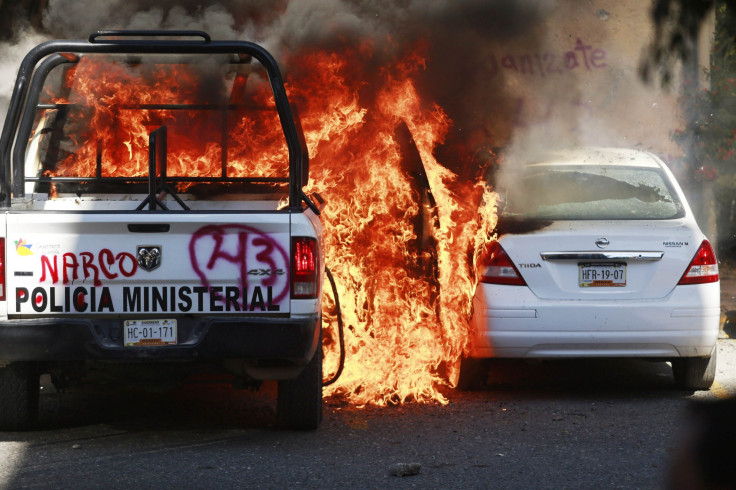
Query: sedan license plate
x=602 y=274
x=149 y=333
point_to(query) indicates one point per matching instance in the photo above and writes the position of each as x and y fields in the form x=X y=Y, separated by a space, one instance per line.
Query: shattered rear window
x=585 y=192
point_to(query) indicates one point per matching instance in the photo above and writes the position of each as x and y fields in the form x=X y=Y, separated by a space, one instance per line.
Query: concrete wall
x=575 y=79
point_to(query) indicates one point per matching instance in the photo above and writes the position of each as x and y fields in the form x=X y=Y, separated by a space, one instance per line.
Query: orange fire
x=401 y=252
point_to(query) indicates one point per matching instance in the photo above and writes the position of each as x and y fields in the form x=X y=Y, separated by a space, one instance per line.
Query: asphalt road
x=570 y=424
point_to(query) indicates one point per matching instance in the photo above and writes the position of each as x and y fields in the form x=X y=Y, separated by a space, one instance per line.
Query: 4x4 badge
x=149 y=257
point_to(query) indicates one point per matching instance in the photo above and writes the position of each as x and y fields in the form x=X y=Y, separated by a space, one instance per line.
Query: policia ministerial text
x=146 y=299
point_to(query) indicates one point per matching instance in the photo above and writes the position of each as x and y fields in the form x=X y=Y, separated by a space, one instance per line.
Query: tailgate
x=123 y=264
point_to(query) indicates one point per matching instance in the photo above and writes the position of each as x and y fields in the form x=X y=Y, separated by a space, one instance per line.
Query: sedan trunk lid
x=630 y=260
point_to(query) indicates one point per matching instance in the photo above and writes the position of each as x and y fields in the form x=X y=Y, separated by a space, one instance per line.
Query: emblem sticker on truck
x=23 y=248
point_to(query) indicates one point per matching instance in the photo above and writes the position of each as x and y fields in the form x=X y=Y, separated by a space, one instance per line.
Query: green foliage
x=709 y=140
x=676 y=27
x=723 y=86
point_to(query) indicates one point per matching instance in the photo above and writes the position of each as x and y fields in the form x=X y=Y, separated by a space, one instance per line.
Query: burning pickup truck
x=153 y=213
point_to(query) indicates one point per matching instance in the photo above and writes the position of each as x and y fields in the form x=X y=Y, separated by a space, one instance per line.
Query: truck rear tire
x=300 y=399
x=19 y=392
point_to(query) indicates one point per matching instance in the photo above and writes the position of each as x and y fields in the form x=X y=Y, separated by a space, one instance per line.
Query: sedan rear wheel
x=695 y=373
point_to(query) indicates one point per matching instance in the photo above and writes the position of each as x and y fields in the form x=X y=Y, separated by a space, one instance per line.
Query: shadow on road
x=581 y=377
x=198 y=404
x=210 y=405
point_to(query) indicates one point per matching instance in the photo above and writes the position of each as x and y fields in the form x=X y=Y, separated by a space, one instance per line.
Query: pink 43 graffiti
x=217 y=252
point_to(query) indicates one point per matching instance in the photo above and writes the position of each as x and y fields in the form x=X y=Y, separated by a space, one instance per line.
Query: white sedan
x=598 y=255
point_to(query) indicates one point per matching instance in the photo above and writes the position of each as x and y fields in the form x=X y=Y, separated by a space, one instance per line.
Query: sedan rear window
x=585 y=192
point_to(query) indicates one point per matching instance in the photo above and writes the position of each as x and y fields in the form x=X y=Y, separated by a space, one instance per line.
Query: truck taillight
x=496 y=267
x=703 y=268
x=2 y=269
x=304 y=283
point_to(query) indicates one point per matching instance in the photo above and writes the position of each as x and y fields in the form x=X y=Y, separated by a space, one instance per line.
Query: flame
x=117 y=106
x=401 y=253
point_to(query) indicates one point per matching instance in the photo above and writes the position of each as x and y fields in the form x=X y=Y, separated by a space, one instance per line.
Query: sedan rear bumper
x=511 y=322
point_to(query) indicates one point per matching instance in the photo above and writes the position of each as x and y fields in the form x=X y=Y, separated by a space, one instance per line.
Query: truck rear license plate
x=149 y=333
x=602 y=274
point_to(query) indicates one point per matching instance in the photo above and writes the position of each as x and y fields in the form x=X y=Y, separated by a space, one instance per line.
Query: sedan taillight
x=304 y=283
x=496 y=267
x=703 y=268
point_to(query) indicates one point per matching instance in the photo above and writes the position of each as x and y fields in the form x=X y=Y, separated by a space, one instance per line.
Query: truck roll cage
x=39 y=62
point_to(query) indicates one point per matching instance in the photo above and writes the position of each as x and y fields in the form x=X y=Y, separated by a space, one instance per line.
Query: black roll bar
x=146 y=33
x=26 y=122
x=28 y=70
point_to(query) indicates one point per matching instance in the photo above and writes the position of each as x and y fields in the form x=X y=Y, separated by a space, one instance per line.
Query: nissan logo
x=602 y=242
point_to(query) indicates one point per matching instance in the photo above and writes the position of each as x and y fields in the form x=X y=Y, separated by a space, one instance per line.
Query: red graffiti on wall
x=581 y=57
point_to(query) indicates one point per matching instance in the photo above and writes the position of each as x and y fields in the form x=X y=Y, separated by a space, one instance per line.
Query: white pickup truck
x=153 y=214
